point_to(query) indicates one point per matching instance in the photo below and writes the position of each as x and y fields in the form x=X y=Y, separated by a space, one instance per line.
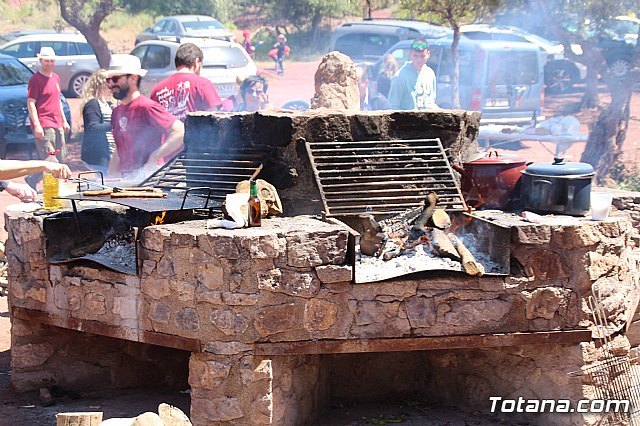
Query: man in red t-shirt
x=186 y=91
x=143 y=130
x=44 y=104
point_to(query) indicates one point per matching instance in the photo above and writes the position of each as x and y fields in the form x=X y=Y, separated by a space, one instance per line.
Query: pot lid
x=559 y=167
x=493 y=157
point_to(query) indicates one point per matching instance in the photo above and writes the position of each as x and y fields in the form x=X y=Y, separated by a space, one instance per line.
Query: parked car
x=560 y=73
x=368 y=40
x=501 y=79
x=75 y=64
x=12 y=35
x=15 y=128
x=224 y=62
x=174 y=28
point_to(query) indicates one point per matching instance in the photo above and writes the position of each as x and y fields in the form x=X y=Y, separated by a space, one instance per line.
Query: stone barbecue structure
x=267 y=325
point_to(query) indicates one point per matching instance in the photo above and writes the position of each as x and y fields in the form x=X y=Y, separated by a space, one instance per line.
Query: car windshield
x=13 y=73
x=509 y=68
x=202 y=25
x=224 y=57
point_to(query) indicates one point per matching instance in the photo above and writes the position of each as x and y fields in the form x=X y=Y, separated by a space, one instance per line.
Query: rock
x=46 y=400
x=173 y=416
x=148 y=419
x=336 y=84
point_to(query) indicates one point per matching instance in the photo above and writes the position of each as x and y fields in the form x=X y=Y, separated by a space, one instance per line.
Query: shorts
x=54 y=139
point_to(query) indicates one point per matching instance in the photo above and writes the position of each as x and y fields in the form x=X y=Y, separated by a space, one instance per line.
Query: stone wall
x=284 y=134
x=231 y=291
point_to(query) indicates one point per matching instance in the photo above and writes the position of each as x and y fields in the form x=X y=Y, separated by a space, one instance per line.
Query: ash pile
x=421 y=239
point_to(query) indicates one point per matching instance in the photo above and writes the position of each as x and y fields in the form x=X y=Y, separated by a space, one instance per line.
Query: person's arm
x=38 y=132
x=19 y=190
x=65 y=123
x=92 y=117
x=114 y=163
x=173 y=143
x=10 y=169
x=395 y=93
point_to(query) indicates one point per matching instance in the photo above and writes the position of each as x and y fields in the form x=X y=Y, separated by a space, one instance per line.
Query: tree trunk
x=606 y=139
x=590 y=99
x=89 y=24
x=455 y=78
x=315 y=27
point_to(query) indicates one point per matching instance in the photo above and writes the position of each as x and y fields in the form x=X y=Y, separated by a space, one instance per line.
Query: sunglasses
x=421 y=46
x=115 y=78
x=255 y=92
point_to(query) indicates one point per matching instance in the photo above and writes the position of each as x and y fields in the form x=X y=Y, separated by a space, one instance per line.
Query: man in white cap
x=48 y=121
x=144 y=132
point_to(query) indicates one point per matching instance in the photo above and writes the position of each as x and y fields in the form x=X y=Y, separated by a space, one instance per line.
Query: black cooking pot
x=559 y=187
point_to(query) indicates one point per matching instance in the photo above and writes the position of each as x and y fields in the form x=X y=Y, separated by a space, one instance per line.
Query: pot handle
x=460 y=170
x=542 y=181
x=493 y=152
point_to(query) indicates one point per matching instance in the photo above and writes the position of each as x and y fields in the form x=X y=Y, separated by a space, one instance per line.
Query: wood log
x=440 y=219
x=371 y=235
x=92 y=418
x=468 y=260
x=429 y=206
x=442 y=245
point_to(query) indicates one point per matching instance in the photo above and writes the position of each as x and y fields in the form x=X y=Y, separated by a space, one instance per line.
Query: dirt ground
x=26 y=409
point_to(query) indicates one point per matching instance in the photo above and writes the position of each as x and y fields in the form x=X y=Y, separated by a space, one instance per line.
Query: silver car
x=174 y=28
x=76 y=59
x=224 y=63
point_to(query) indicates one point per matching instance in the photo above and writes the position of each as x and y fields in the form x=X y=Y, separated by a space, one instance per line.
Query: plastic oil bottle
x=51 y=187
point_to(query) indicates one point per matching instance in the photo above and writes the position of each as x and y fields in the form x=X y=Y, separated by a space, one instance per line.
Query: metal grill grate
x=220 y=170
x=382 y=177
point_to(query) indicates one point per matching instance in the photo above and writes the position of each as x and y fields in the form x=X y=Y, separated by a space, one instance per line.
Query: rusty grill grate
x=220 y=170
x=382 y=177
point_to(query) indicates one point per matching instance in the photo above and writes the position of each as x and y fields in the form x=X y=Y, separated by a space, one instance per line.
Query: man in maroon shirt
x=143 y=130
x=186 y=91
x=44 y=104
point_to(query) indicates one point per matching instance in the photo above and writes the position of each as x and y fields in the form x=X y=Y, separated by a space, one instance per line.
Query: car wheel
x=619 y=68
x=296 y=105
x=76 y=85
x=559 y=78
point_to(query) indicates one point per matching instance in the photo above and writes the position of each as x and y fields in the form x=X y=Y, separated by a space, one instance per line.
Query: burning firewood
x=371 y=235
x=442 y=245
x=429 y=207
x=440 y=219
x=471 y=266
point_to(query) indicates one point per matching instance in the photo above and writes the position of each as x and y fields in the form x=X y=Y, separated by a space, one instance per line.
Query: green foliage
x=37 y=14
x=122 y=19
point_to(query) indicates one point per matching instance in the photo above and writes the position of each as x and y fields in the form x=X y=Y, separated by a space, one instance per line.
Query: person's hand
x=58 y=170
x=38 y=131
x=22 y=191
x=66 y=127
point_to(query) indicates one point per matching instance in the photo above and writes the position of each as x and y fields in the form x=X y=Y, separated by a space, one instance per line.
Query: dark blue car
x=15 y=130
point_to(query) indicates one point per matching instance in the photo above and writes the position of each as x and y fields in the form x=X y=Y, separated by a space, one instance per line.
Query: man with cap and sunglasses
x=414 y=85
x=46 y=115
x=144 y=132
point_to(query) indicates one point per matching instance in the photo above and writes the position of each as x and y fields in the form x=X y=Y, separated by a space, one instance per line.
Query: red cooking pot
x=492 y=181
